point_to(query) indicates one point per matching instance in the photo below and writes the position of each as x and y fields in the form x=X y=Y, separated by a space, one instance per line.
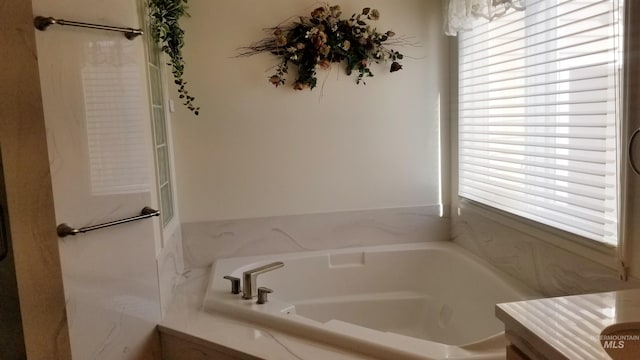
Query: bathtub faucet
x=250 y=279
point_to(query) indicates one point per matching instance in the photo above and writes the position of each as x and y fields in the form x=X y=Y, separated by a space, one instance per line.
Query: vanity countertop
x=568 y=327
x=186 y=320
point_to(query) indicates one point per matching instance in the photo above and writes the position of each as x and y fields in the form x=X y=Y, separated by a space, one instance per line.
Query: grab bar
x=42 y=23
x=66 y=230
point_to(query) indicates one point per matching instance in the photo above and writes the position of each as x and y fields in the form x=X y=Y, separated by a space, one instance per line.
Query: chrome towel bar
x=42 y=23
x=66 y=230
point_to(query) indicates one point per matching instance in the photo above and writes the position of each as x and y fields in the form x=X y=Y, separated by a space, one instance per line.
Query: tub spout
x=250 y=279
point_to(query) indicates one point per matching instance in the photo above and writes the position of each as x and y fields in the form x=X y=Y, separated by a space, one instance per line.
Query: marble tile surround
x=542 y=266
x=170 y=268
x=204 y=242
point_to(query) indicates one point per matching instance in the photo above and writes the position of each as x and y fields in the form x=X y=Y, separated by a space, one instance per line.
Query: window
x=540 y=115
x=160 y=138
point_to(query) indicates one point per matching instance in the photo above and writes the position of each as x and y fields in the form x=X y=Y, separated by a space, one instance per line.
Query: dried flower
x=319 y=13
x=395 y=66
x=281 y=40
x=275 y=80
x=374 y=15
x=346 y=45
x=299 y=86
x=324 y=64
x=335 y=11
x=320 y=39
x=325 y=50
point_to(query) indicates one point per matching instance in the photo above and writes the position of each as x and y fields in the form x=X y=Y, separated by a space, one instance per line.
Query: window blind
x=539 y=103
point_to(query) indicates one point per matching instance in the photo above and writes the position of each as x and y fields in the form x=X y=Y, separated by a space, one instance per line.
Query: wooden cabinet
x=514 y=354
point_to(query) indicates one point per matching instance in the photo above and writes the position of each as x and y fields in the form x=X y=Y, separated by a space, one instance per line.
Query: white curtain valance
x=460 y=14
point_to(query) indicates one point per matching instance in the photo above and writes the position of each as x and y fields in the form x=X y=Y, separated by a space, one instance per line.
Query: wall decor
x=323 y=38
x=166 y=31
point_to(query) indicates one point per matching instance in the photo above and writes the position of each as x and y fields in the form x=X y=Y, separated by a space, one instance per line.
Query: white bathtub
x=416 y=301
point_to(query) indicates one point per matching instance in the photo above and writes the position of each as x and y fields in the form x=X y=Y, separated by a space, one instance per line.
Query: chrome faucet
x=250 y=278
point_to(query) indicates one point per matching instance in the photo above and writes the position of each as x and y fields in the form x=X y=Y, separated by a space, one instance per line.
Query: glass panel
x=167 y=204
x=156 y=86
x=163 y=165
x=158 y=118
x=154 y=53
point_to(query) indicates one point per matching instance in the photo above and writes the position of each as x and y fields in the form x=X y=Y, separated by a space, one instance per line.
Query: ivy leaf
x=395 y=66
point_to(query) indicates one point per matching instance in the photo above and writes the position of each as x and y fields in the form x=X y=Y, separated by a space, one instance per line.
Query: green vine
x=166 y=31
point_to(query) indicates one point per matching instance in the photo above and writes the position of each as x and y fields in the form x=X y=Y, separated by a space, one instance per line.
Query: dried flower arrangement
x=324 y=38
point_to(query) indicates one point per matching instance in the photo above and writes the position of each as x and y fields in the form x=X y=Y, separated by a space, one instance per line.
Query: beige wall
x=259 y=151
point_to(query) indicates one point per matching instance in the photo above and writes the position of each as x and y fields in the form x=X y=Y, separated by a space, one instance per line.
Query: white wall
x=259 y=151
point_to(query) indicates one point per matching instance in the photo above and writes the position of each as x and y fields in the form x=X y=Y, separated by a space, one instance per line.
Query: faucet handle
x=235 y=284
x=263 y=294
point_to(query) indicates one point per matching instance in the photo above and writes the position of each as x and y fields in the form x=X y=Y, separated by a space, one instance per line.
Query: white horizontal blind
x=538 y=114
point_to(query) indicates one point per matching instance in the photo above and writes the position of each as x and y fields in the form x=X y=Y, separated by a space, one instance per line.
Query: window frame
x=172 y=226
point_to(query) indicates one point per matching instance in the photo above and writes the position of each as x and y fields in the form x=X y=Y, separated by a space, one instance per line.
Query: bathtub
x=415 y=301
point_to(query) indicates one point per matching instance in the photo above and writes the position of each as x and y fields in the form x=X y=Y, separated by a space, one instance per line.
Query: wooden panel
x=175 y=348
x=28 y=184
x=632 y=198
x=514 y=354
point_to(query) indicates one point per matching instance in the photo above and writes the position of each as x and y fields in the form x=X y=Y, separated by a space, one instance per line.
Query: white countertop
x=185 y=319
x=569 y=327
